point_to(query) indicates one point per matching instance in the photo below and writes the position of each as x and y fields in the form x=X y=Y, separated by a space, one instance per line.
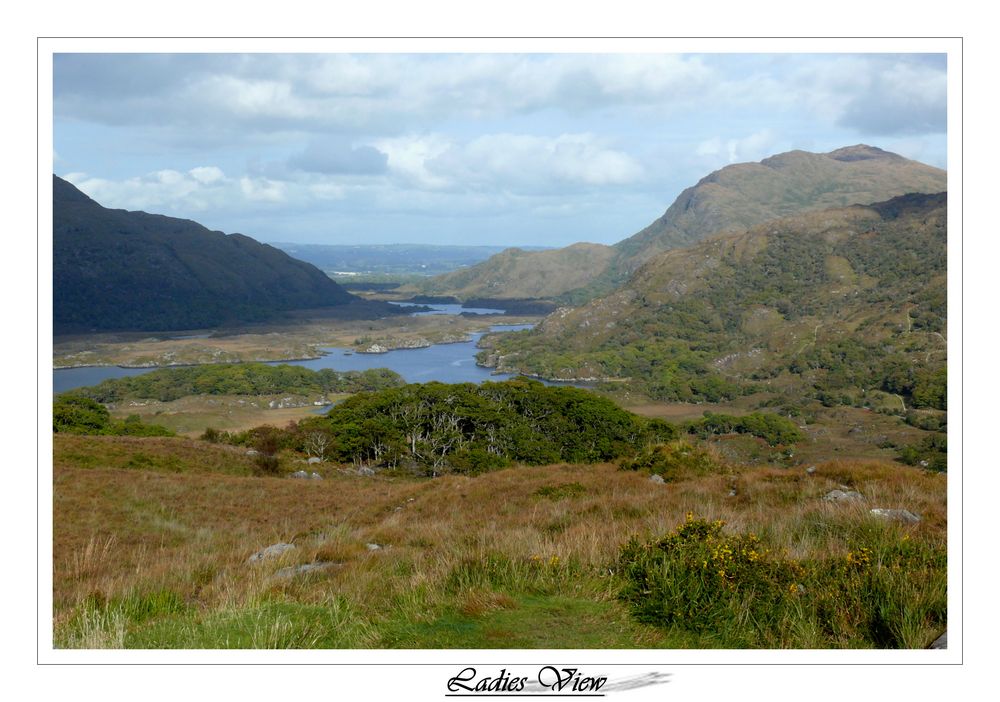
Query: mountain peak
x=863 y=152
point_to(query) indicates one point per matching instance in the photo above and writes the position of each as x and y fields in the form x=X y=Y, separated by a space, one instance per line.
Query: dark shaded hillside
x=830 y=304
x=120 y=270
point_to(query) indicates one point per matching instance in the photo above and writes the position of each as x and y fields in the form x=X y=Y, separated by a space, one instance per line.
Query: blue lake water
x=447 y=363
x=447 y=309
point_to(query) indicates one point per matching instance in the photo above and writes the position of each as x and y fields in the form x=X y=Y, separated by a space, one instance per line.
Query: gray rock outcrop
x=899 y=515
x=843 y=496
x=272 y=551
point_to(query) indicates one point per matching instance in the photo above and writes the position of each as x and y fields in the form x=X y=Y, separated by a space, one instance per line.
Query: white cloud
x=262 y=189
x=408 y=158
x=207 y=174
x=520 y=162
x=157 y=191
x=751 y=148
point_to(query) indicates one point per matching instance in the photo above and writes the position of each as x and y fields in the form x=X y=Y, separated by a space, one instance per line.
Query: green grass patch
x=162 y=620
x=561 y=492
x=527 y=621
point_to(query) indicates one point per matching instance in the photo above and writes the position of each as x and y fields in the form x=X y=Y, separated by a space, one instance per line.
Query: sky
x=491 y=149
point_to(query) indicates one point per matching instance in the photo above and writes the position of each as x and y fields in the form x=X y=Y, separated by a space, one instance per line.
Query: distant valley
x=344 y=261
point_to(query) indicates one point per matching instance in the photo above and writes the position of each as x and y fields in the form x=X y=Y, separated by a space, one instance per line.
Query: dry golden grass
x=123 y=531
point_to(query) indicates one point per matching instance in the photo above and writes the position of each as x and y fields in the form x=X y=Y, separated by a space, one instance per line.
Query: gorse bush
x=696 y=576
x=888 y=591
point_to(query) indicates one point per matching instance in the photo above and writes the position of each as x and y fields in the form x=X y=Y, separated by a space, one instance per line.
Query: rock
x=373 y=547
x=900 y=515
x=292 y=571
x=843 y=496
x=654 y=478
x=315 y=476
x=940 y=642
x=313 y=460
x=365 y=470
x=732 y=492
x=299 y=474
x=272 y=551
x=811 y=469
x=253 y=452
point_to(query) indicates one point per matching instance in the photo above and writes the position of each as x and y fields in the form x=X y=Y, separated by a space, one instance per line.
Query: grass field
x=152 y=537
x=193 y=414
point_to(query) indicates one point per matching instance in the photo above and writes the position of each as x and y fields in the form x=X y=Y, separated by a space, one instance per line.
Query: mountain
x=518 y=274
x=744 y=194
x=120 y=270
x=730 y=199
x=830 y=304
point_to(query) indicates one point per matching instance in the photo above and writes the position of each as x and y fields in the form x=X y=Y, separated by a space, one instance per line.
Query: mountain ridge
x=730 y=199
x=116 y=270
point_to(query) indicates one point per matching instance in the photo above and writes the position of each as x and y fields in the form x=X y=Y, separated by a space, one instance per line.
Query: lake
x=447 y=363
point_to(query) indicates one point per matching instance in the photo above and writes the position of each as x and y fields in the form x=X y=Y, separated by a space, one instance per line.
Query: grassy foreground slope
x=728 y=200
x=152 y=539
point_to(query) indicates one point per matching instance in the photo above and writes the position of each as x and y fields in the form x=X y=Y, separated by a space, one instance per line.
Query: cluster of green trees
x=166 y=384
x=853 y=363
x=772 y=428
x=76 y=414
x=471 y=428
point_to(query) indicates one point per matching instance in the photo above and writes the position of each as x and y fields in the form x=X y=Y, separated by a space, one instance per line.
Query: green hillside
x=728 y=200
x=519 y=274
x=833 y=304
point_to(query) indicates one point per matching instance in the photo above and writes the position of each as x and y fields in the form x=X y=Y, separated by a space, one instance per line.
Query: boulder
x=315 y=476
x=272 y=551
x=810 y=470
x=299 y=474
x=365 y=470
x=373 y=547
x=654 y=478
x=312 y=460
x=292 y=571
x=899 y=515
x=843 y=496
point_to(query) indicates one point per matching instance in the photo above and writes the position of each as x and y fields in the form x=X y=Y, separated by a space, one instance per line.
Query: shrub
x=76 y=414
x=677 y=460
x=887 y=591
x=772 y=428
